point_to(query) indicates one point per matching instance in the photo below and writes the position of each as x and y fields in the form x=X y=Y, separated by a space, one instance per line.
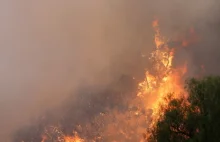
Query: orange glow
x=164 y=79
x=73 y=139
x=191 y=39
x=157 y=38
x=55 y=134
x=185 y=43
x=44 y=138
x=145 y=109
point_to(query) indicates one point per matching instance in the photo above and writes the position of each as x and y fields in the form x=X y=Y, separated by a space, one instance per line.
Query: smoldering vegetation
x=64 y=63
x=83 y=114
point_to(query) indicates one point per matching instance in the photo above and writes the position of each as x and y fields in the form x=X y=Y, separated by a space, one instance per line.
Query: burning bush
x=123 y=112
x=193 y=119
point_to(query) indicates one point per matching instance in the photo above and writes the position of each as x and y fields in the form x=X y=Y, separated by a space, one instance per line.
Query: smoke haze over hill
x=50 y=49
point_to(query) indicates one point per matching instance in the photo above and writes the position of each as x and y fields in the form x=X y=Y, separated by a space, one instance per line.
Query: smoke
x=177 y=17
x=51 y=48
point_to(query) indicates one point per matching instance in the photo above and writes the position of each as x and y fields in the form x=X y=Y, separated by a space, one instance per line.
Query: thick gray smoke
x=50 y=48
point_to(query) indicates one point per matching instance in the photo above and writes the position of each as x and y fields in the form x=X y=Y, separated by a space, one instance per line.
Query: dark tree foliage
x=195 y=119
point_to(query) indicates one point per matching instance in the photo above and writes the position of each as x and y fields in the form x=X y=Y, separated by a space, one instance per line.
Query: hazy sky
x=49 y=47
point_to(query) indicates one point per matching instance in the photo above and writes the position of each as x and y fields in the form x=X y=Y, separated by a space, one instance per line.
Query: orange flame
x=73 y=139
x=157 y=38
x=58 y=136
x=44 y=138
x=164 y=79
x=157 y=84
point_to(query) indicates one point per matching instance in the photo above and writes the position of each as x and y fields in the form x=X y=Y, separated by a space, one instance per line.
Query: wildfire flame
x=55 y=134
x=163 y=78
x=160 y=80
x=75 y=138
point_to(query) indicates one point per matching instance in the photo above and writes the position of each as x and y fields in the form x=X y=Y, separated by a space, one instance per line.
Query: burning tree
x=120 y=113
x=162 y=78
x=193 y=119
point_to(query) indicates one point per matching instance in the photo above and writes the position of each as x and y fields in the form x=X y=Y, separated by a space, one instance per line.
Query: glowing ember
x=73 y=139
x=55 y=134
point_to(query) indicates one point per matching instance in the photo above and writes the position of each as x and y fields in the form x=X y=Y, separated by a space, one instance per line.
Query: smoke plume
x=58 y=52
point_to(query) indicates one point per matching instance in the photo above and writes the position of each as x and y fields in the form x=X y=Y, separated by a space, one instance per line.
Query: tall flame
x=162 y=79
